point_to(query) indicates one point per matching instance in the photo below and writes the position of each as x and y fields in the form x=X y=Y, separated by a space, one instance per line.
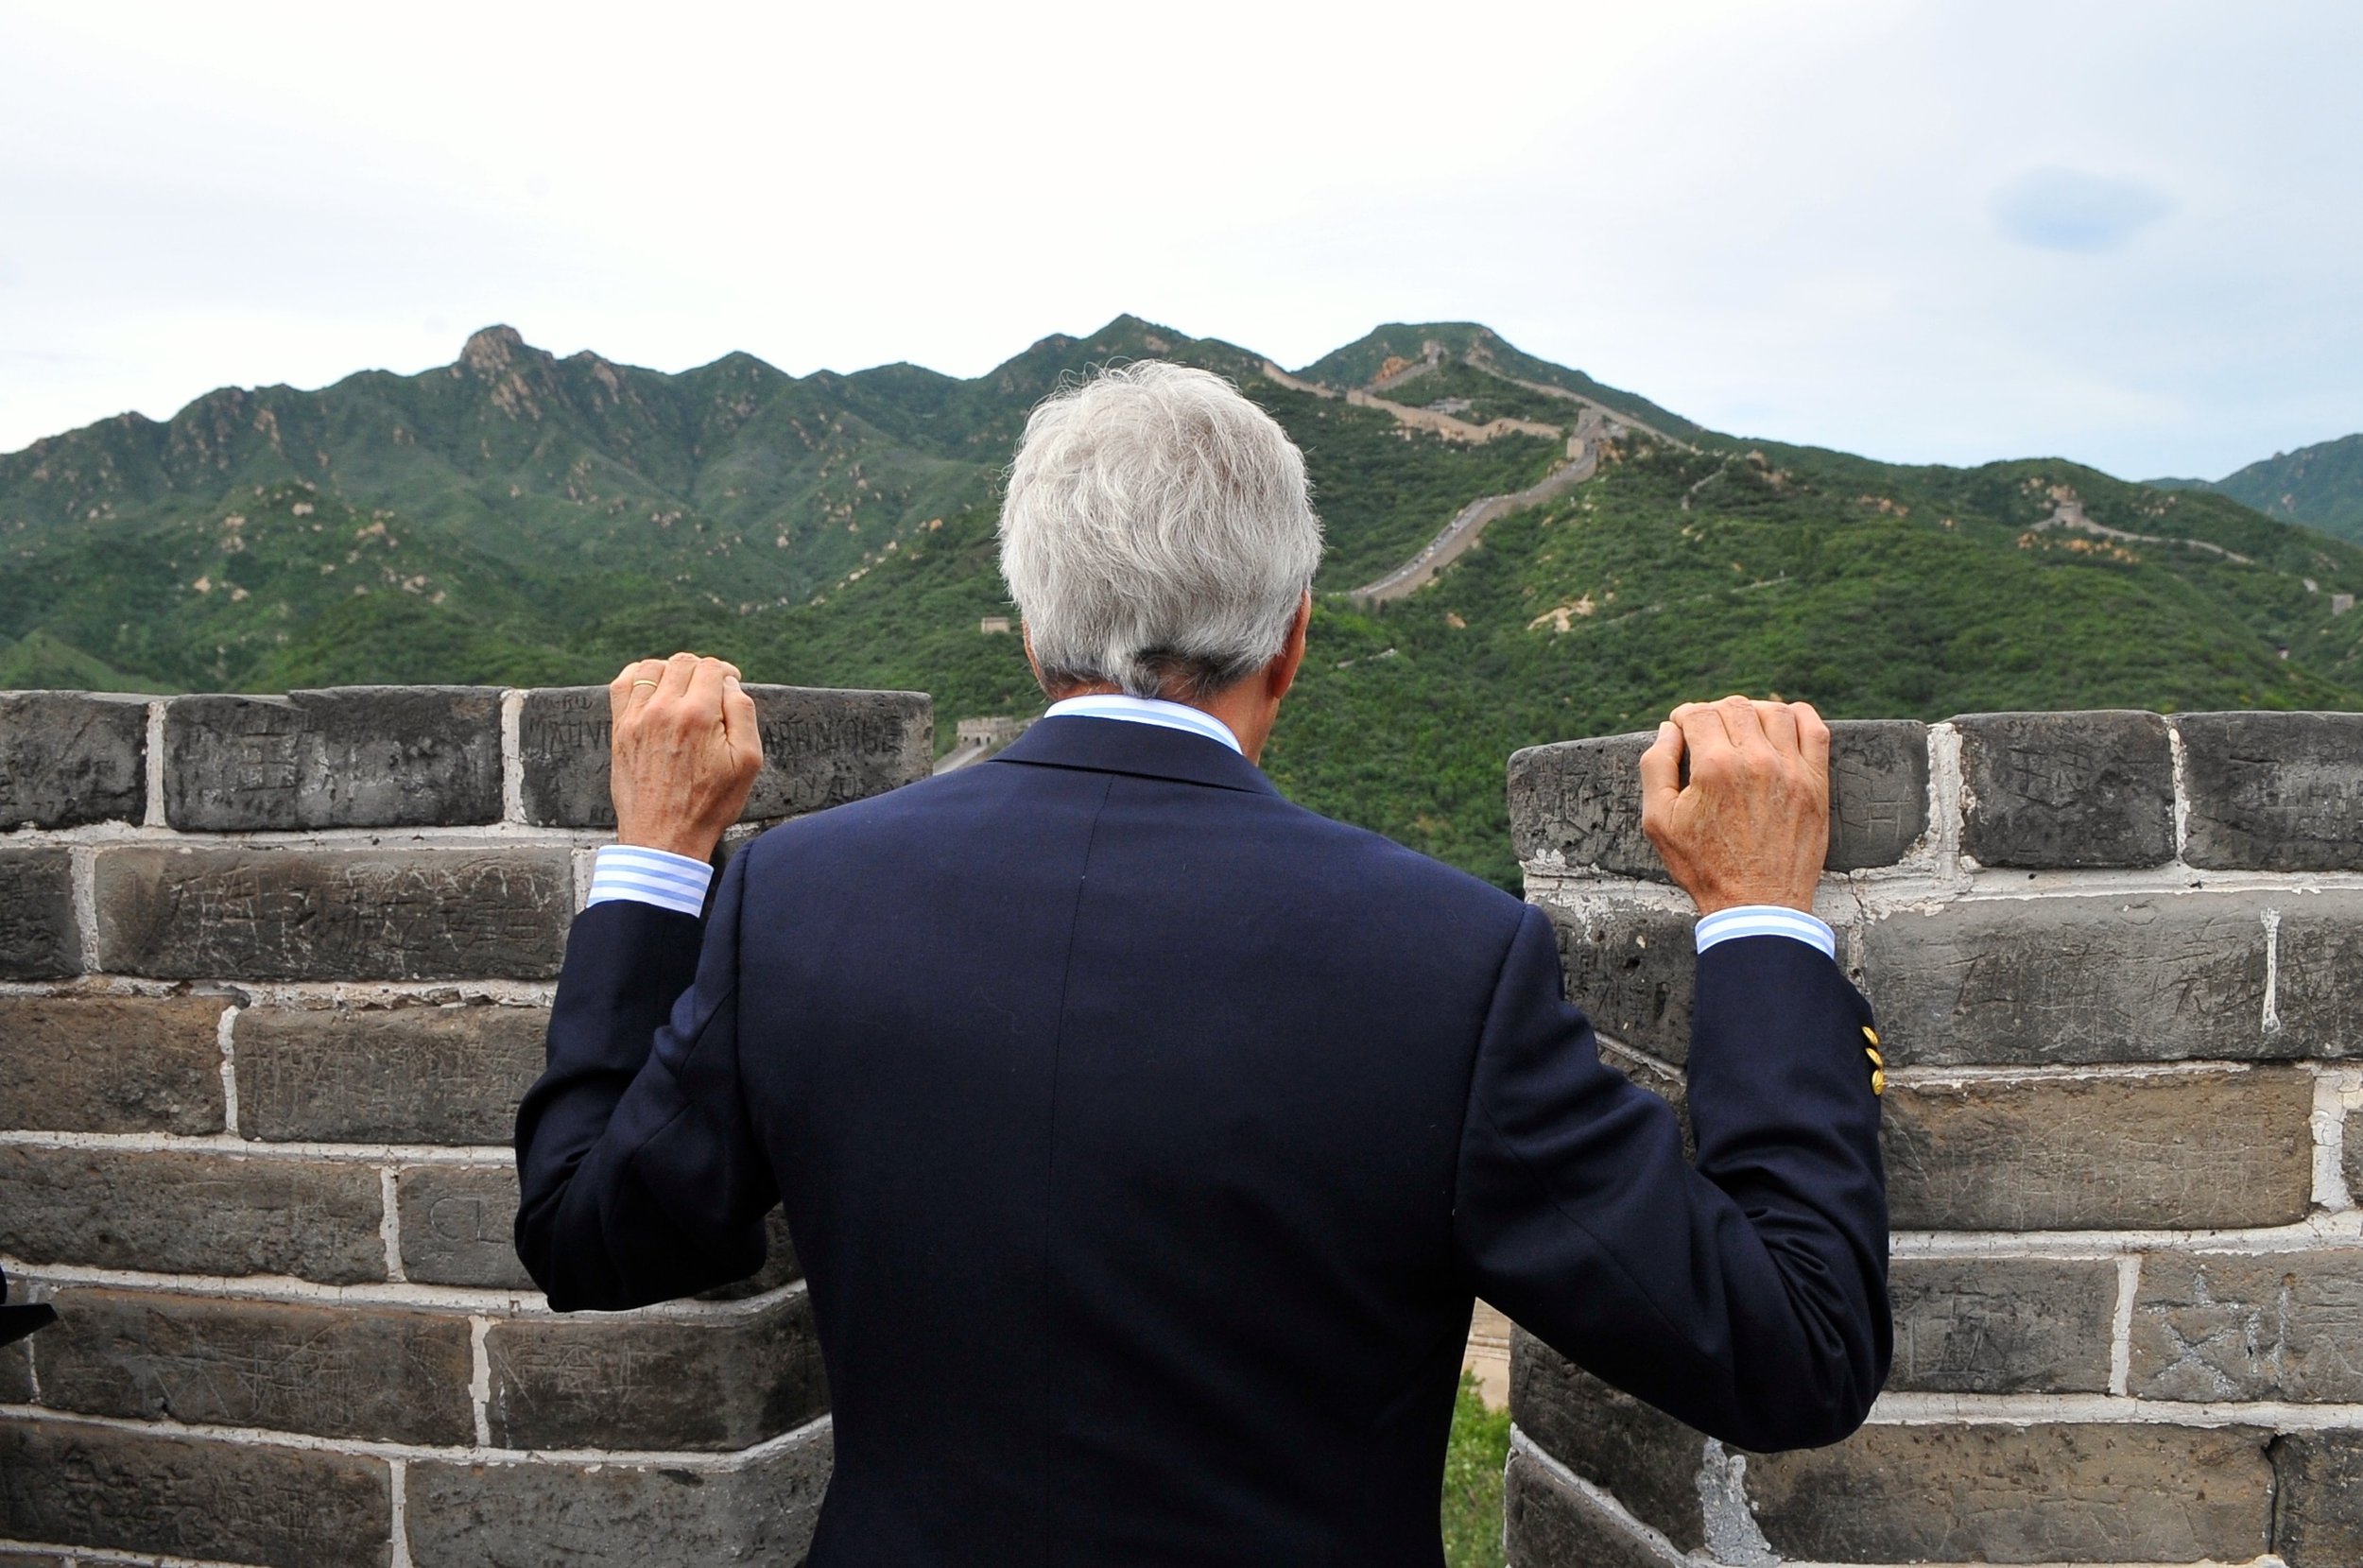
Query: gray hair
x=1157 y=532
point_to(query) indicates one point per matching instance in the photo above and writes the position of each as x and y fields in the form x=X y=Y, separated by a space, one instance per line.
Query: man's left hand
x=686 y=753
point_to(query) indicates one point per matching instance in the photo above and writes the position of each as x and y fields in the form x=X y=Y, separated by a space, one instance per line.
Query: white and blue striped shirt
x=676 y=883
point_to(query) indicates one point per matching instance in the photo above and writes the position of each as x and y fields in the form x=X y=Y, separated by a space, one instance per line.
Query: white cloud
x=1782 y=220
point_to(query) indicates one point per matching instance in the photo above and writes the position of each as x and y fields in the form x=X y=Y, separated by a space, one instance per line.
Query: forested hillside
x=516 y=517
x=2319 y=485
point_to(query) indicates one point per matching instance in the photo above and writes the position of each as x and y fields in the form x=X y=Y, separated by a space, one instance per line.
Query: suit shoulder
x=1376 y=862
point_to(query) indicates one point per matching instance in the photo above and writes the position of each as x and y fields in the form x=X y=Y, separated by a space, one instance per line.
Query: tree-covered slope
x=521 y=518
x=2320 y=485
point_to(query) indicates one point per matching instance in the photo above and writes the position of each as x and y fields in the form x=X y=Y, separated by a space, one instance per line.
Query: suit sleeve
x=1746 y=1294
x=639 y=1175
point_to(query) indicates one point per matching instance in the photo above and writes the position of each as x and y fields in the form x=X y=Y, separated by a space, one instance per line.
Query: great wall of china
x=273 y=972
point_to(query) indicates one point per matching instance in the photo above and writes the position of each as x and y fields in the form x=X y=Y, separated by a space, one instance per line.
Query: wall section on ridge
x=2117 y=961
x=275 y=972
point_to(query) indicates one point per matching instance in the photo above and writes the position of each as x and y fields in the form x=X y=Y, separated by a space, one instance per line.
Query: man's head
x=1158 y=535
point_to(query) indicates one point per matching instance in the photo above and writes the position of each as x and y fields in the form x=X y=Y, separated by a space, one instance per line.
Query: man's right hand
x=1752 y=826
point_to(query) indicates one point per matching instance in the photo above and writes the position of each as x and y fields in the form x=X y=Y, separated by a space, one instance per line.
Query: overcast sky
x=2124 y=233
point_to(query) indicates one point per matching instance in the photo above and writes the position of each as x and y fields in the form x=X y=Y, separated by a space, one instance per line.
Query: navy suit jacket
x=1144 y=1138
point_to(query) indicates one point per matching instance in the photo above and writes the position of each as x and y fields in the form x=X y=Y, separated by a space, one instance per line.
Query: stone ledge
x=2066 y=791
x=820 y=748
x=346 y=757
x=2273 y=792
x=67 y=758
x=1578 y=802
x=1552 y=1523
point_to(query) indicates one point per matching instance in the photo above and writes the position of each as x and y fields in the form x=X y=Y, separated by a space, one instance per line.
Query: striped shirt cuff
x=659 y=877
x=1762 y=920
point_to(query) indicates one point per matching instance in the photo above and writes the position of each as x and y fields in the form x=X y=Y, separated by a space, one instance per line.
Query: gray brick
x=458 y=1225
x=2199 y=1149
x=333 y=914
x=1878 y=791
x=40 y=938
x=2223 y=1326
x=2002 y=1325
x=402 y=1075
x=555 y=1515
x=67 y=758
x=350 y=757
x=2273 y=792
x=716 y=1382
x=1630 y=965
x=344 y=1371
x=73 y=1484
x=2320 y=1521
x=192 y=1213
x=2146 y=976
x=2033 y=1493
x=16 y=1364
x=1548 y=1524
x=2085 y=789
x=95 y=1063
x=11 y=1557
x=1647 y=1460
x=821 y=748
x=1581 y=801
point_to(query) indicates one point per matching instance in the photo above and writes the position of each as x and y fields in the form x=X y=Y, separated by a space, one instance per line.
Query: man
x=1143 y=1137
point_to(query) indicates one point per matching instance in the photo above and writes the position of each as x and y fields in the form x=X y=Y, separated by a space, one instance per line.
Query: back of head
x=1158 y=533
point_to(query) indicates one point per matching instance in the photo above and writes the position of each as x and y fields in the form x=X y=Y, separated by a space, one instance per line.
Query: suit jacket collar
x=1145 y=750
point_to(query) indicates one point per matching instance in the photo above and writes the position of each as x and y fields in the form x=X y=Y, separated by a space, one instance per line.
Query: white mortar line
x=1927 y=1409
x=480 y=1379
x=2098 y=1071
x=1732 y=1534
x=2121 y=1324
x=154 y=770
x=112 y=1558
x=389 y=1225
x=393 y=1294
x=512 y=756
x=423 y=1453
x=1650 y=1540
x=2271 y=1023
x=2336 y=1092
x=2177 y=755
x=2316 y=1231
x=398 y=1473
x=83 y=882
x=222 y=1035
x=253 y=1148
x=490 y=835
x=1890 y=889
x=1946 y=795
x=316 y=993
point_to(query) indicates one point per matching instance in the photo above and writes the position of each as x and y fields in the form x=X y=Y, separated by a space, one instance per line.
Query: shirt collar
x=1145 y=710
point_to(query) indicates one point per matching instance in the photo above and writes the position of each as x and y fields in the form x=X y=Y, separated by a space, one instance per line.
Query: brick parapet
x=2118 y=963
x=273 y=972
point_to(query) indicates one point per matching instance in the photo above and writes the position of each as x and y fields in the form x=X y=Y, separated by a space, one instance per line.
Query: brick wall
x=2118 y=964
x=273 y=974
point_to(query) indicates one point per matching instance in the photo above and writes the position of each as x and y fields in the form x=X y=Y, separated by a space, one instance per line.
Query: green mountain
x=516 y=517
x=2319 y=485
